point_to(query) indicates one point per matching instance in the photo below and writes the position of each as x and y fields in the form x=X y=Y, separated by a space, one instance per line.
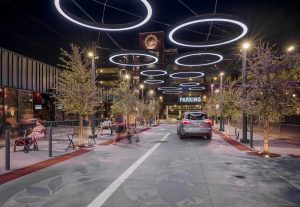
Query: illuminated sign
x=189 y=99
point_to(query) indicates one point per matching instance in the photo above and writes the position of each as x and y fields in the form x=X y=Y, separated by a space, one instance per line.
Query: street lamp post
x=92 y=55
x=142 y=87
x=221 y=81
x=245 y=46
x=221 y=91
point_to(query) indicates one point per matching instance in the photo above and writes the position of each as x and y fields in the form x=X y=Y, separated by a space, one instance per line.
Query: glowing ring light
x=198 y=54
x=189 y=84
x=158 y=72
x=169 y=88
x=153 y=81
x=200 y=74
x=133 y=53
x=201 y=88
x=105 y=27
x=172 y=92
x=207 y=18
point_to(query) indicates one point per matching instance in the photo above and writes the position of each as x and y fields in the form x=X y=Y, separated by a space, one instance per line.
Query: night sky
x=34 y=28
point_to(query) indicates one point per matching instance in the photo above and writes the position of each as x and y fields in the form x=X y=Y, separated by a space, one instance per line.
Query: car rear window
x=196 y=116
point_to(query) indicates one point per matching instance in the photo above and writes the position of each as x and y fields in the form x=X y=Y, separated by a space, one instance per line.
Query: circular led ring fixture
x=104 y=27
x=169 y=88
x=158 y=72
x=185 y=55
x=200 y=74
x=201 y=88
x=172 y=92
x=132 y=53
x=189 y=84
x=153 y=81
x=207 y=18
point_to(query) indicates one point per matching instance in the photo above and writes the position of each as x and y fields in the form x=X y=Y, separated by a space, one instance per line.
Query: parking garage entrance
x=184 y=103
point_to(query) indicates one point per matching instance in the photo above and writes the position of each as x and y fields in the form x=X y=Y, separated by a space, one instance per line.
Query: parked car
x=194 y=124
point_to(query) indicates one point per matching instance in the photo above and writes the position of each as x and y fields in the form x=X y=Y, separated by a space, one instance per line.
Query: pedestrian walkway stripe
x=100 y=200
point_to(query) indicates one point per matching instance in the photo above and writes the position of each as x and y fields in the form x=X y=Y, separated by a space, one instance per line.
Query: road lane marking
x=100 y=199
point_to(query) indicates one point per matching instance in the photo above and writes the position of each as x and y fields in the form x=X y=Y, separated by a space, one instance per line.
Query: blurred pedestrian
x=120 y=127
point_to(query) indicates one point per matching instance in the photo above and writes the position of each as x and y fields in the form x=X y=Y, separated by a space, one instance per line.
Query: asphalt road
x=160 y=171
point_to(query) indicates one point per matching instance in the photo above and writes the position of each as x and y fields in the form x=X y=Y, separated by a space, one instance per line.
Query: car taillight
x=185 y=122
x=208 y=121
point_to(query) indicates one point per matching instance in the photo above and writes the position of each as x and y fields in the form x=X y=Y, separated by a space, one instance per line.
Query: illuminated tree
x=125 y=101
x=270 y=86
x=76 y=93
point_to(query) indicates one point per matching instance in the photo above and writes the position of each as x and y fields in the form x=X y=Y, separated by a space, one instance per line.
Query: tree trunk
x=80 y=131
x=228 y=126
x=266 y=135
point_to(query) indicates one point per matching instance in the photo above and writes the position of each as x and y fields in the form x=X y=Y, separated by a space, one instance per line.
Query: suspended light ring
x=199 y=88
x=152 y=81
x=203 y=19
x=189 y=84
x=105 y=27
x=133 y=53
x=196 y=75
x=169 y=88
x=172 y=92
x=186 y=55
x=158 y=72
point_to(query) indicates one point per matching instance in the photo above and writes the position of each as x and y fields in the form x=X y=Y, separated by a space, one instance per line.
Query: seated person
x=38 y=132
x=106 y=125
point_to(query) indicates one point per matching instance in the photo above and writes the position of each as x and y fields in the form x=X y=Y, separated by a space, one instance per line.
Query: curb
x=233 y=142
x=250 y=151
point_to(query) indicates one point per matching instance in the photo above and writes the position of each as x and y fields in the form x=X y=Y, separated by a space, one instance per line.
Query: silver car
x=194 y=124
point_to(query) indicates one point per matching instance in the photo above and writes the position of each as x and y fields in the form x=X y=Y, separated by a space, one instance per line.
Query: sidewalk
x=278 y=146
x=36 y=160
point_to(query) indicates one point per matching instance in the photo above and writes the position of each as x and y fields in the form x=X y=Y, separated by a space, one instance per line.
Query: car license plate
x=198 y=125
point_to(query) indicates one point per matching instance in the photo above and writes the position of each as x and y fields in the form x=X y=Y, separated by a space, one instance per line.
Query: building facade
x=26 y=89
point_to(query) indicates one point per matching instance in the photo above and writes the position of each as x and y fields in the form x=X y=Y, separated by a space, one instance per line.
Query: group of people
x=119 y=126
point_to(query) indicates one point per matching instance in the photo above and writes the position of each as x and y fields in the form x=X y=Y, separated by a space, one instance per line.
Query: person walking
x=120 y=128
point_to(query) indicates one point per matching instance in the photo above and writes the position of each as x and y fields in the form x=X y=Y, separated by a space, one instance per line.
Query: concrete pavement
x=189 y=172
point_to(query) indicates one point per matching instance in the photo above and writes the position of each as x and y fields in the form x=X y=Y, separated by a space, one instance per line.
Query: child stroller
x=26 y=142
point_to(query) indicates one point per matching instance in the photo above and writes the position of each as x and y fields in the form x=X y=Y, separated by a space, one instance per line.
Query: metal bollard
x=50 y=141
x=7 y=149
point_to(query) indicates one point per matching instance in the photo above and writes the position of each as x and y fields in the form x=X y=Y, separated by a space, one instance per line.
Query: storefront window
x=25 y=106
x=1 y=113
x=10 y=106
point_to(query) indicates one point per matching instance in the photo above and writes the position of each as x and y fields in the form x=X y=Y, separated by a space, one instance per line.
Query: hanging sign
x=189 y=99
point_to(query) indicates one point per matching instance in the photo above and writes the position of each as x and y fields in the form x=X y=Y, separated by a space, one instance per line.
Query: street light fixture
x=291 y=48
x=127 y=76
x=142 y=87
x=91 y=54
x=221 y=81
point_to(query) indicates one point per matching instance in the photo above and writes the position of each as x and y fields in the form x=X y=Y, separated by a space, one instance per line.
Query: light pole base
x=245 y=141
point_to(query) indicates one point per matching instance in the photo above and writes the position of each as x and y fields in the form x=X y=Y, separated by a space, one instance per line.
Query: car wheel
x=181 y=136
x=209 y=136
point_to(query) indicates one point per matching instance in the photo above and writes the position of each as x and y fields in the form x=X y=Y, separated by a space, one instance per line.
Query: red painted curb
x=7 y=177
x=233 y=142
